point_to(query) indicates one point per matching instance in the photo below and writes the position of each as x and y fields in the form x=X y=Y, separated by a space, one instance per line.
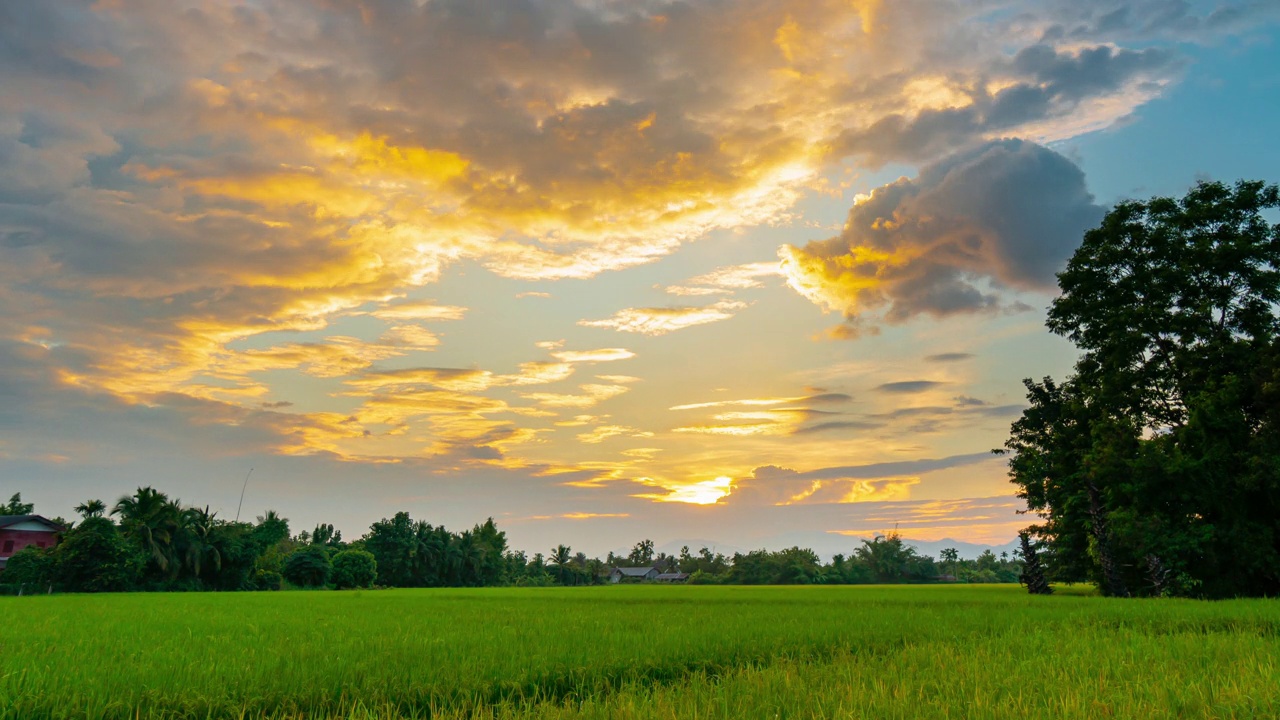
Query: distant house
x=672 y=577
x=19 y=531
x=633 y=574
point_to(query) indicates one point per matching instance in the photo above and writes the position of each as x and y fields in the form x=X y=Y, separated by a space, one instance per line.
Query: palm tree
x=200 y=552
x=151 y=520
x=561 y=555
x=91 y=509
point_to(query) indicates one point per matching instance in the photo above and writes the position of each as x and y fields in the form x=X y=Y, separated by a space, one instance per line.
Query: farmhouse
x=672 y=577
x=19 y=531
x=633 y=574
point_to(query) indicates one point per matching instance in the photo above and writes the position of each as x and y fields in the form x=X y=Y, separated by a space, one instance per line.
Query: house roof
x=673 y=576
x=634 y=571
x=7 y=520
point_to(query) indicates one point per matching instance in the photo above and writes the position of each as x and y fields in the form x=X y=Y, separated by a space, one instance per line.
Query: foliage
x=91 y=509
x=160 y=544
x=793 y=566
x=94 y=557
x=15 y=506
x=308 y=567
x=267 y=580
x=354 y=569
x=1033 y=576
x=31 y=569
x=642 y=554
x=1155 y=464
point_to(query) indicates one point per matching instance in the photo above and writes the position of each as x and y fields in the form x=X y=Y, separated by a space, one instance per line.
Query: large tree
x=1156 y=464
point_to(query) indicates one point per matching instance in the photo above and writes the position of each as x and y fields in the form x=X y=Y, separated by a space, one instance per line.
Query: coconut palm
x=561 y=555
x=151 y=520
x=91 y=509
x=199 y=552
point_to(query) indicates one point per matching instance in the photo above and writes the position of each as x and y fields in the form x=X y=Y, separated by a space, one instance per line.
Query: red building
x=19 y=531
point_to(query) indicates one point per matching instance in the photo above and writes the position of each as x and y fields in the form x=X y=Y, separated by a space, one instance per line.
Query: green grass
x=638 y=652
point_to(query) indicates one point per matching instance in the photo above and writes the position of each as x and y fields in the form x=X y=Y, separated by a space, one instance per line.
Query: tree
x=560 y=556
x=15 y=506
x=271 y=529
x=95 y=557
x=91 y=509
x=641 y=554
x=1033 y=576
x=308 y=567
x=889 y=559
x=200 y=553
x=1154 y=465
x=354 y=569
x=951 y=557
x=150 y=520
x=326 y=535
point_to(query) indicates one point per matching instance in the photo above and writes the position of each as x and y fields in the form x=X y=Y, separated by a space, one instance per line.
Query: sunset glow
x=569 y=261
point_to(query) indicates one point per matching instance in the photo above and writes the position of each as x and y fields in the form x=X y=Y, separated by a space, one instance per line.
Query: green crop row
x=617 y=652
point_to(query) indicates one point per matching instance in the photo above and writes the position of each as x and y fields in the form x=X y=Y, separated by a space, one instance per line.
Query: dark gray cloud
x=1095 y=20
x=828 y=398
x=1006 y=215
x=837 y=425
x=948 y=357
x=1052 y=84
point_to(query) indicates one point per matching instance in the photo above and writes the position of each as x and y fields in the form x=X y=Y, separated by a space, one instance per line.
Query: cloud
x=194 y=194
x=1005 y=216
x=605 y=432
x=700 y=492
x=871 y=483
x=619 y=379
x=837 y=425
x=592 y=393
x=601 y=355
x=660 y=321
x=727 y=279
x=908 y=387
x=993 y=519
x=948 y=357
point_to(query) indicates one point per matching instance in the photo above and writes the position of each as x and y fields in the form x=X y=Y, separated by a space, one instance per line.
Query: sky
x=748 y=273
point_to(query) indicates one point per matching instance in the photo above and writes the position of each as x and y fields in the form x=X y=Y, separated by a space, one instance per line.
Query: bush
x=30 y=570
x=267 y=580
x=354 y=569
x=308 y=567
x=94 y=557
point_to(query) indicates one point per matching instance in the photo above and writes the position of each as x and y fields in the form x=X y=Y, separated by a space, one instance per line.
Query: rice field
x=638 y=652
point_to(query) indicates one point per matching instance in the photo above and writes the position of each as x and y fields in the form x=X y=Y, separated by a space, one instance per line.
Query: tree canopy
x=1156 y=464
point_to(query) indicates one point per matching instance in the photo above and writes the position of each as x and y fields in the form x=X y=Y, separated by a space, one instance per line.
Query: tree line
x=1155 y=466
x=149 y=542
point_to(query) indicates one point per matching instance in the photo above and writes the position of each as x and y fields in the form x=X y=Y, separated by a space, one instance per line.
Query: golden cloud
x=601 y=355
x=660 y=321
x=734 y=277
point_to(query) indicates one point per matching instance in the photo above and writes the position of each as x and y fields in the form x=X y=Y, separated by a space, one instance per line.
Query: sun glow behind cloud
x=705 y=492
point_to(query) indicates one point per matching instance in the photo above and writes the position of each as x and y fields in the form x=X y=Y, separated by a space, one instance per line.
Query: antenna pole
x=242 y=489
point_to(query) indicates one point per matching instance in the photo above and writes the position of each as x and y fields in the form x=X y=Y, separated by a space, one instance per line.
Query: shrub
x=267 y=580
x=308 y=567
x=354 y=569
x=29 y=570
x=95 y=557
